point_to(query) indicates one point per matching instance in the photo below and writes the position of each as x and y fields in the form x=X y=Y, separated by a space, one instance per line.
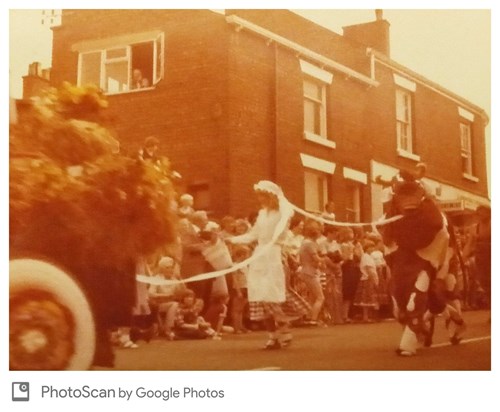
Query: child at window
x=138 y=80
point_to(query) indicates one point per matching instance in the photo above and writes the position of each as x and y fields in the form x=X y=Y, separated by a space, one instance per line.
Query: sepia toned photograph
x=249 y=190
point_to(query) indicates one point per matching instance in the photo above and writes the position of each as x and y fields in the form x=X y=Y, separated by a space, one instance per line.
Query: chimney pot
x=34 y=69
x=379 y=14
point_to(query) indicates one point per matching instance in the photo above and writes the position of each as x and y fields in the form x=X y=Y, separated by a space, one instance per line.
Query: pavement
x=356 y=347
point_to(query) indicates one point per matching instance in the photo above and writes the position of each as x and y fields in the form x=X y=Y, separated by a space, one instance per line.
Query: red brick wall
x=374 y=34
x=308 y=34
x=436 y=134
x=251 y=117
x=267 y=130
x=229 y=110
x=187 y=108
x=34 y=86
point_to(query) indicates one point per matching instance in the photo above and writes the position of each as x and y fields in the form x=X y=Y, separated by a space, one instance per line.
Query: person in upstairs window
x=138 y=80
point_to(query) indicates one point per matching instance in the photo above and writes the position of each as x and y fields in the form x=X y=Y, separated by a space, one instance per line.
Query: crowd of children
x=333 y=276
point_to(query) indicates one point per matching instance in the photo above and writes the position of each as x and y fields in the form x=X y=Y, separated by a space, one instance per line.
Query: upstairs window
x=315 y=107
x=314 y=85
x=466 y=148
x=404 y=124
x=122 y=64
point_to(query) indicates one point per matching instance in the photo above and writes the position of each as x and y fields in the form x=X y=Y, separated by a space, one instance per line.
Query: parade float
x=81 y=214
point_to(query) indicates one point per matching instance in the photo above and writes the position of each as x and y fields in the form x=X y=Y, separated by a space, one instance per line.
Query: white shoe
x=129 y=345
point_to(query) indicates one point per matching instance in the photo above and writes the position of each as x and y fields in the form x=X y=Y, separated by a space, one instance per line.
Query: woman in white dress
x=266 y=275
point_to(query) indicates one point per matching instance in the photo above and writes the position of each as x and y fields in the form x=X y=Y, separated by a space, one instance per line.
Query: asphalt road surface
x=341 y=347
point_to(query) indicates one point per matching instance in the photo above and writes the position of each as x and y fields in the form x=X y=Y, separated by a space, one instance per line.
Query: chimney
x=374 y=34
x=46 y=74
x=36 y=81
x=34 y=69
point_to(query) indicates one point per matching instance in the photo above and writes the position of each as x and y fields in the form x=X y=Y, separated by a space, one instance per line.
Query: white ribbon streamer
x=286 y=209
x=373 y=224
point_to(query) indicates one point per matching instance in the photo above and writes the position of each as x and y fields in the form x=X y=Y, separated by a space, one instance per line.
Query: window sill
x=323 y=141
x=144 y=89
x=470 y=177
x=408 y=155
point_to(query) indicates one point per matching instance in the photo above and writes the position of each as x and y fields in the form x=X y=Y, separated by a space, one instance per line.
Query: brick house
x=267 y=94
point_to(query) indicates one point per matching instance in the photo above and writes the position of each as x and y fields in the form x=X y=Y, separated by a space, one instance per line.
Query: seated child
x=194 y=316
x=186 y=323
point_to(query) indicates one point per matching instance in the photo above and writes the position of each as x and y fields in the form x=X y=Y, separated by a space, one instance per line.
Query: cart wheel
x=51 y=321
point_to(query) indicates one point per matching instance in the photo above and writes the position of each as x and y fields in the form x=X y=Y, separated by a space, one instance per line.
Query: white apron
x=266 y=276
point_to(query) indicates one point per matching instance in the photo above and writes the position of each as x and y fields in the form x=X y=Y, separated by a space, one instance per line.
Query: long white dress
x=266 y=276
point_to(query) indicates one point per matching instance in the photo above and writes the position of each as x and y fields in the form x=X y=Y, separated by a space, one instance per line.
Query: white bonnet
x=212 y=227
x=268 y=186
x=166 y=262
x=186 y=197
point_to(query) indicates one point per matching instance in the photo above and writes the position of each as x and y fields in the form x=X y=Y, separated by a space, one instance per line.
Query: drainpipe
x=274 y=155
x=369 y=52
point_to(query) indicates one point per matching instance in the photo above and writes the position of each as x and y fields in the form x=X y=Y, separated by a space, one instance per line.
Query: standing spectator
x=483 y=249
x=186 y=202
x=266 y=275
x=227 y=224
x=216 y=314
x=350 y=271
x=142 y=319
x=127 y=336
x=384 y=298
x=194 y=241
x=333 y=267
x=310 y=262
x=150 y=149
x=239 y=290
x=329 y=212
x=241 y=226
x=291 y=247
x=366 y=293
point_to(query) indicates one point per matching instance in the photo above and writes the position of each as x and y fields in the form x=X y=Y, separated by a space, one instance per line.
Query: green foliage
x=73 y=197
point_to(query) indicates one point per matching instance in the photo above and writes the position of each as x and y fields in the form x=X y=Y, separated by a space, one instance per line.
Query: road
x=341 y=347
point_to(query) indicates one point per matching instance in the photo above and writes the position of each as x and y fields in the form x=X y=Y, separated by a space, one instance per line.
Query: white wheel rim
x=30 y=274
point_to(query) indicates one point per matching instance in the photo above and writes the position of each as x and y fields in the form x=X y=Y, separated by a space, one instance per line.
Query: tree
x=74 y=198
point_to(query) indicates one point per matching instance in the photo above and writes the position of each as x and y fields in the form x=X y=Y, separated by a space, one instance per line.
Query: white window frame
x=466 y=148
x=105 y=61
x=321 y=102
x=320 y=78
x=354 y=207
x=158 y=40
x=405 y=121
x=320 y=192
